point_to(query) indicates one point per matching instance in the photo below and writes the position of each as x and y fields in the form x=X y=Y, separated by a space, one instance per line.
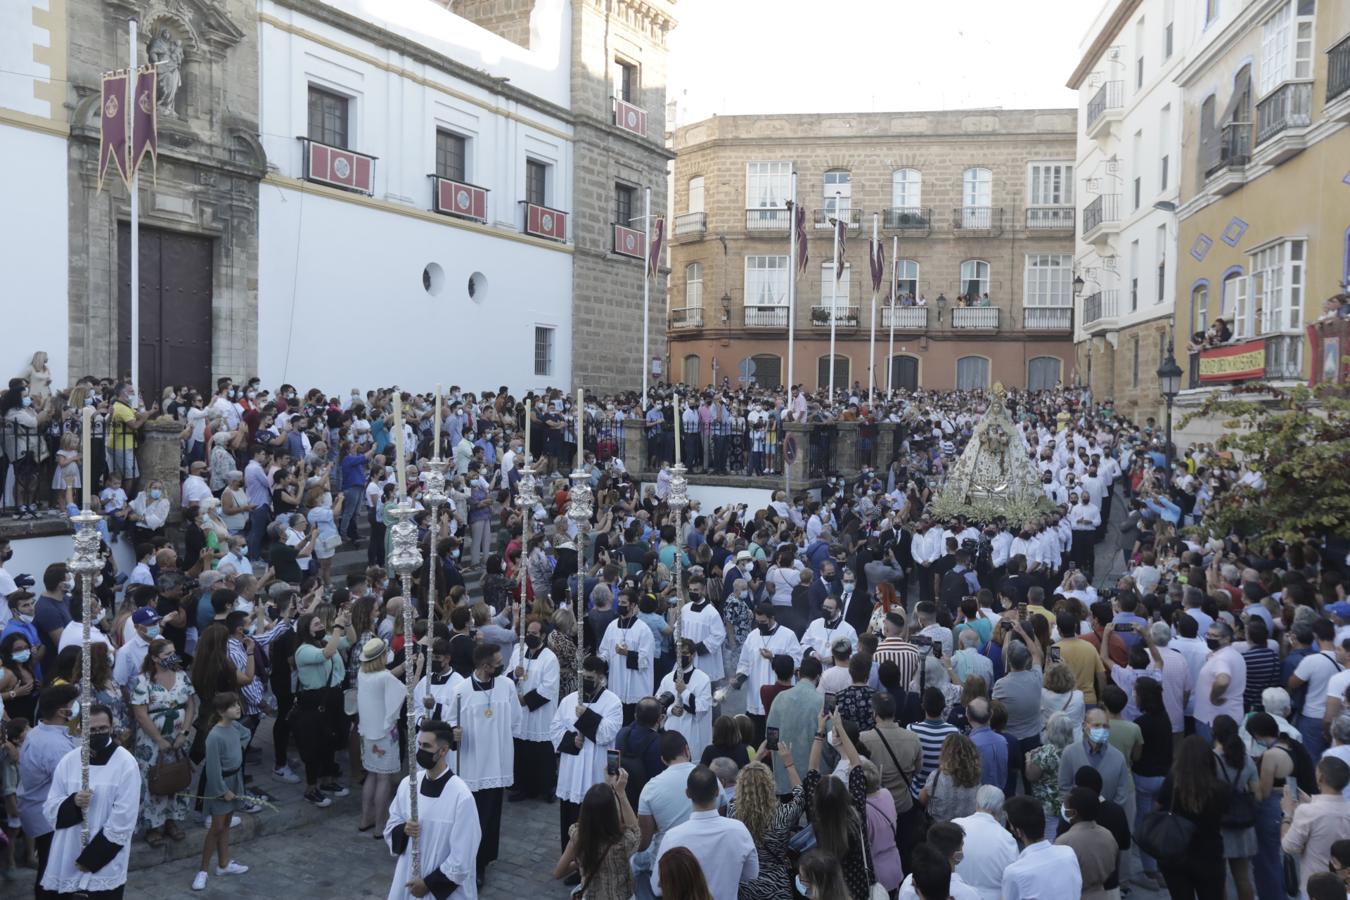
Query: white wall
x=395 y=118
x=711 y=496
x=32 y=556
x=341 y=302
x=33 y=252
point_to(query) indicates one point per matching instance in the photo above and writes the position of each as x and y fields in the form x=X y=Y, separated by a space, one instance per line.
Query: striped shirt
x=931 y=735
x=1263 y=671
x=903 y=654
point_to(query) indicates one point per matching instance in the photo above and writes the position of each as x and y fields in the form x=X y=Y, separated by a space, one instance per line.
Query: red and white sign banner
x=460 y=199
x=630 y=118
x=340 y=168
x=629 y=242
x=541 y=221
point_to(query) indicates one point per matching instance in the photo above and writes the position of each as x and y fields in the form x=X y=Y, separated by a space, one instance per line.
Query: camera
x=667 y=700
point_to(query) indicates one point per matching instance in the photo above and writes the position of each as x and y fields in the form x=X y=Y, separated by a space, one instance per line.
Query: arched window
x=974 y=278
x=972 y=373
x=695 y=204
x=691 y=373
x=768 y=370
x=977 y=188
x=837 y=182
x=1199 y=308
x=906 y=189
x=693 y=286
x=904 y=373
x=907 y=277
x=840 y=372
x=1043 y=373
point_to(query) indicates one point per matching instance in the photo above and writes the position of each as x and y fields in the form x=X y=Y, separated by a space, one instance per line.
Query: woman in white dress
x=379 y=699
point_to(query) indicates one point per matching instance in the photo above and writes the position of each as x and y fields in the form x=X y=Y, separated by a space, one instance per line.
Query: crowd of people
x=933 y=706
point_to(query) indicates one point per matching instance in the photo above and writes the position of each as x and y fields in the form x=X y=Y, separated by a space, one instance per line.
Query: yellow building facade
x=1264 y=218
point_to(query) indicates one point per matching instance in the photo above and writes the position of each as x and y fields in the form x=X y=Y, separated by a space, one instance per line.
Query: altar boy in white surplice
x=485 y=715
x=447 y=824
x=584 y=728
x=691 y=712
x=630 y=650
x=435 y=693
x=536 y=672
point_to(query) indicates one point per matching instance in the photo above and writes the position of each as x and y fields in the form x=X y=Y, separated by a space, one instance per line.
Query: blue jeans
x=1203 y=730
x=1146 y=788
x=1313 y=738
x=258 y=520
x=641 y=864
x=351 y=503
x=1267 y=872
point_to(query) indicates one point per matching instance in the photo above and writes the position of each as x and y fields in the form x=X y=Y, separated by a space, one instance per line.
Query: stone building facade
x=980 y=202
x=198 y=204
x=618 y=56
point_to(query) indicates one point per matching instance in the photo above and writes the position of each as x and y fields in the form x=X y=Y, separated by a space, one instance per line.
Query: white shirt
x=989 y=850
x=195 y=490
x=723 y=848
x=141 y=575
x=1224 y=661
x=1195 y=652
x=1044 y=871
x=819 y=637
x=130 y=656
x=1316 y=670
x=958 y=889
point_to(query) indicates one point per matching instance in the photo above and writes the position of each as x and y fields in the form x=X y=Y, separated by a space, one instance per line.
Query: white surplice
x=819 y=637
x=578 y=771
x=696 y=726
x=760 y=670
x=114 y=805
x=543 y=675
x=443 y=693
x=448 y=838
x=487 y=753
x=705 y=626
x=630 y=684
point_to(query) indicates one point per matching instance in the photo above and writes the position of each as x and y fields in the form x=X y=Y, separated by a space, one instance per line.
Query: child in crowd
x=66 y=478
x=112 y=500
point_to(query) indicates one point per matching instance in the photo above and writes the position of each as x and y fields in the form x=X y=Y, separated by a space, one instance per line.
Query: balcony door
x=904 y=373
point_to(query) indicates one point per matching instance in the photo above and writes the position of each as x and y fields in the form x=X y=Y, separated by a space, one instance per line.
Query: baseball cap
x=145 y=616
x=1341 y=609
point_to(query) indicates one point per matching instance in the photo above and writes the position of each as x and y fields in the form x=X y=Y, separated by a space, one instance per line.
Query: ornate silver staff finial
x=580 y=507
x=406 y=559
x=678 y=501
x=86 y=561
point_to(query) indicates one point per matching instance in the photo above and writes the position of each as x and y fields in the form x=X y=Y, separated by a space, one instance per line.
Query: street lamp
x=1078 y=285
x=1169 y=381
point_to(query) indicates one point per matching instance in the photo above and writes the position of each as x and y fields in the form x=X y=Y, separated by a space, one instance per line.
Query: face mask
x=27 y=620
x=100 y=742
x=1065 y=813
x=68 y=585
x=848 y=587
x=155 y=493
x=319 y=635
x=27 y=401
x=152 y=631
x=766 y=629
x=21 y=656
x=588 y=684
x=533 y=641
x=1099 y=735
x=831 y=615
x=1212 y=643
x=427 y=759
x=625 y=611
x=801 y=888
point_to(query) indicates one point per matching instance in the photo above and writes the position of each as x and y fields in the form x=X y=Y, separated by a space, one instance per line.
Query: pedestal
x=159 y=456
x=634 y=446
x=846 y=448
x=800 y=435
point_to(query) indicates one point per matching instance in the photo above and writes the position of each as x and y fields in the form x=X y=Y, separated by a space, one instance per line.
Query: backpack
x=954 y=588
x=1305 y=772
x=631 y=759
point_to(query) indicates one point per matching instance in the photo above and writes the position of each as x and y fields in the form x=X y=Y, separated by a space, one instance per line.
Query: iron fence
x=29 y=462
x=736 y=447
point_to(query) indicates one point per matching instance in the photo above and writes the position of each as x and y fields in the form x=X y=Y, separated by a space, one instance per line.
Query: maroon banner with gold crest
x=114 y=145
x=143 y=123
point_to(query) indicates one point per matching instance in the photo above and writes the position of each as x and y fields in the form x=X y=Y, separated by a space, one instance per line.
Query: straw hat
x=372 y=649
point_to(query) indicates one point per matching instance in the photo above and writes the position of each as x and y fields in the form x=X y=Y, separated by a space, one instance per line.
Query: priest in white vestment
x=485 y=715
x=535 y=670
x=111 y=805
x=767 y=640
x=629 y=649
x=446 y=830
x=583 y=731
x=690 y=711
x=702 y=623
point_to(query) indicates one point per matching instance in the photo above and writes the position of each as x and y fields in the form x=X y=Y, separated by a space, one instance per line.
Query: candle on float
x=529 y=411
x=436 y=447
x=678 y=428
x=86 y=454
x=581 y=429
x=399 y=465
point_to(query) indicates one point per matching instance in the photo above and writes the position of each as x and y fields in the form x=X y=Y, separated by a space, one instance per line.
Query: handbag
x=1241 y=812
x=1289 y=869
x=349 y=701
x=1164 y=835
x=168 y=778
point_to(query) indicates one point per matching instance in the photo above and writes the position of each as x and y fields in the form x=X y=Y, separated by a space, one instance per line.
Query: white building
x=33 y=132
x=1128 y=165
x=413 y=91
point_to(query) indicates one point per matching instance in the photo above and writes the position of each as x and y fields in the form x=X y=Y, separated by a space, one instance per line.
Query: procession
x=568 y=448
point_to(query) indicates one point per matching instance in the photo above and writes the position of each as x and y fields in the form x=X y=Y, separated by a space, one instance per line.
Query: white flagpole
x=646 y=289
x=890 y=352
x=834 y=291
x=135 y=286
x=792 y=282
x=872 y=341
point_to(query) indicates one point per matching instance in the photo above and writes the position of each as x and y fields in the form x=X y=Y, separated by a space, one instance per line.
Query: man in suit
x=855 y=605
